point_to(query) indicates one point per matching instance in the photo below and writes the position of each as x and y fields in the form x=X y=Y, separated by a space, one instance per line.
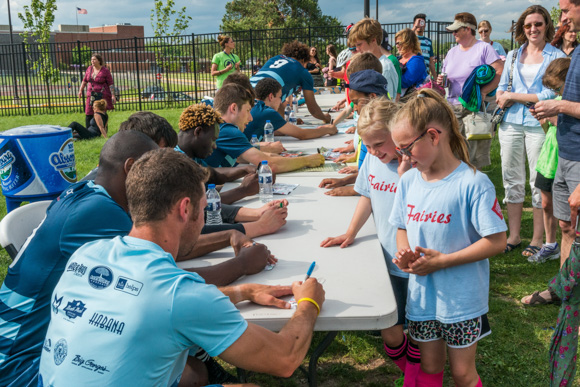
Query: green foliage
x=164 y=14
x=84 y=58
x=38 y=19
x=555 y=13
x=263 y=14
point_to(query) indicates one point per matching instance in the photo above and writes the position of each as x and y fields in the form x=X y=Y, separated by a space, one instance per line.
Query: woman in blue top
x=520 y=133
x=411 y=61
x=484 y=29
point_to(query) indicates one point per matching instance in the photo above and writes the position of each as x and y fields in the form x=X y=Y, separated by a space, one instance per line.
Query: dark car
x=175 y=96
x=152 y=90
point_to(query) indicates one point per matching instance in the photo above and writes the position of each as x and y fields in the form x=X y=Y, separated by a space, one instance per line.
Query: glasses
x=557 y=91
x=397 y=43
x=536 y=24
x=352 y=48
x=483 y=31
x=406 y=151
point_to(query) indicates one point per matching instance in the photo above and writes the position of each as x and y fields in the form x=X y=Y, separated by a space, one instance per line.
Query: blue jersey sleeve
x=204 y=316
x=232 y=142
x=307 y=82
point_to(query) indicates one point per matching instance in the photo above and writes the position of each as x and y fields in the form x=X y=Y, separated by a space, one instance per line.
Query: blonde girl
x=449 y=223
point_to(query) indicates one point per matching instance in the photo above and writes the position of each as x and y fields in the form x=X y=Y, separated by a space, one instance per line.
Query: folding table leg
x=318 y=351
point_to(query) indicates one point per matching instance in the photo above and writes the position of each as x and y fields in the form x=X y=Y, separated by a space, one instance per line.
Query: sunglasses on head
x=536 y=24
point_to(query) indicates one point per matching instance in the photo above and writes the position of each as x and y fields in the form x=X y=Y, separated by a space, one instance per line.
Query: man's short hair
x=153 y=125
x=123 y=145
x=200 y=115
x=419 y=16
x=267 y=86
x=296 y=50
x=242 y=80
x=158 y=180
x=366 y=61
x=229 y=94
x=368 y=30
x=466 y=17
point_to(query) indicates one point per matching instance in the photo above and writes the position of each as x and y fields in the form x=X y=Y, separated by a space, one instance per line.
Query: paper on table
x=328 y=167
x=283 y=189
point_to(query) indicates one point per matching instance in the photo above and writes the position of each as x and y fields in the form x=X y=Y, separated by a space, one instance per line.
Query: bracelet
x=311 y=301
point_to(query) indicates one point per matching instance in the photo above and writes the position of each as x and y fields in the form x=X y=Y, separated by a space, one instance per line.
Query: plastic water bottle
x=268 y=132
x=265 y=180
x=287 y=113
x=295 y=104
x=292 y=118
x=214 y=206
x=254 y=141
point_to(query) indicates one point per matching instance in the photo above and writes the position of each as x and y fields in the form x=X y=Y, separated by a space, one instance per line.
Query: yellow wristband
x=309 y=300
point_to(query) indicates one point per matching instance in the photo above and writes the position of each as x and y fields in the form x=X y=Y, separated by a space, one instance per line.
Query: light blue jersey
x=448 y=215
x=378 y=182
x=131 y=318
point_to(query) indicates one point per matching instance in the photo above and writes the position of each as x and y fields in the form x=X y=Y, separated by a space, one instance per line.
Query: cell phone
x=422 y=22
x=531 y=106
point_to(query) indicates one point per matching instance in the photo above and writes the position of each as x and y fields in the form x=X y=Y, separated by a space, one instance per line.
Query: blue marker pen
x=310 y=270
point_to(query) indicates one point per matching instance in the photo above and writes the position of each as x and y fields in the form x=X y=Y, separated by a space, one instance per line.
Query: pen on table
x=310 y=270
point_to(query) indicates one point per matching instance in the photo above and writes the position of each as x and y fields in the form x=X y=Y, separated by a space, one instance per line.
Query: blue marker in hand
x=310 y=270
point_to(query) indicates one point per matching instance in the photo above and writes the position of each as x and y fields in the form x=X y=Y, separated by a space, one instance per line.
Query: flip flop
x=511 y=247
x=530 y=250
x=536 y=299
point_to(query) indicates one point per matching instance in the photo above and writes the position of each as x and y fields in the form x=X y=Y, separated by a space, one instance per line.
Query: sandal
x=511 y=247
x=536 y=299
x=530 y=250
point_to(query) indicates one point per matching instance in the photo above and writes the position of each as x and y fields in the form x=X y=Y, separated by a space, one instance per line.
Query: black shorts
x=543 y=183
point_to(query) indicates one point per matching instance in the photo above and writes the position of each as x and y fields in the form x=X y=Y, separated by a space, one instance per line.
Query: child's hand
x=350 y=130
x=344 y=240
x=427 y=261
x=403 y=258
x=349 y=170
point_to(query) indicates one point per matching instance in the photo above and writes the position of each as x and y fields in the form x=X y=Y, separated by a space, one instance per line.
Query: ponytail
x=429 y=107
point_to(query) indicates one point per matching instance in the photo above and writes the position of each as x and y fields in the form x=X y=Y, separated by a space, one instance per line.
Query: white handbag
x=478 y=125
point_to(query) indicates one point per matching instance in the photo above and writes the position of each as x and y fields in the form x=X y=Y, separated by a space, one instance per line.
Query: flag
x=81 y=11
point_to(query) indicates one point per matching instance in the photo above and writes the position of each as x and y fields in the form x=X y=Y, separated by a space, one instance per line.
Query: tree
x=38 y=19
x=85 y=56
x=555 y=14
x=264 y=14
x=167 y=52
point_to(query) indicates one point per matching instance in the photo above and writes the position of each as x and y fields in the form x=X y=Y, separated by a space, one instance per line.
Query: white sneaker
x=545 y=253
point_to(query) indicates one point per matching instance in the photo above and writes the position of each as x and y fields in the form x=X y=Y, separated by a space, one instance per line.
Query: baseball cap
x=385 y=43
x=368 y=81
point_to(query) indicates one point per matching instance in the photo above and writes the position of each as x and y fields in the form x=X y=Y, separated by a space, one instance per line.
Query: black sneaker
x=217 y=374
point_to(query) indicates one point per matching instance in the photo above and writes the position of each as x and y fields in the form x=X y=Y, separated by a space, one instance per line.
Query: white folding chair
x=19 y=224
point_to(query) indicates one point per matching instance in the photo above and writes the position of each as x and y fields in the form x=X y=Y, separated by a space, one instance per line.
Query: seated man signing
x=233 y=102
x=143 y=338
x=269 y=95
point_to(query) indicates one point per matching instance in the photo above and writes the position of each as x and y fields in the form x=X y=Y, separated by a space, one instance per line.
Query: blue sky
x=207 y=15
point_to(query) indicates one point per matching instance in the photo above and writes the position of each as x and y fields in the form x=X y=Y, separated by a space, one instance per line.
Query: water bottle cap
x=211 y=186
x=264 y=162
x=254 y=135
x=267 y=121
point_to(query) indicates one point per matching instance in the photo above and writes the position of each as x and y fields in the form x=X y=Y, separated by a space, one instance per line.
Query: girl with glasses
x=520 y=134
x=484 y=29
x=449 y=223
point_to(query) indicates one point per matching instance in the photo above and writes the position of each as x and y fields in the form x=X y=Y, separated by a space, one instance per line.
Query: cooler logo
x=75 y=309
x=127 y=285
x=60 y=351
x=497 y=209
x=100 y=277
x=63 y=161
x=6 y=161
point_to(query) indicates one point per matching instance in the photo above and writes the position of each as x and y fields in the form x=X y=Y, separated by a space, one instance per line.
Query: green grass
x=516 y=354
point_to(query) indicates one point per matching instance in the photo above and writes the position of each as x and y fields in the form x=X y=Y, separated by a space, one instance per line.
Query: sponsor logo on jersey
x=107 y=323
x=56 y=303
x=89 y=364
x=47 y=345
x=128 y=285
x=75 y=309
x=60 y=351
x=100 y=277
x=78 y=269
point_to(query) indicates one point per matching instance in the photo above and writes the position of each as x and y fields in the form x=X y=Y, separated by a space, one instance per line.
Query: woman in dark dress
x=100 y=81
x=97 y=126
